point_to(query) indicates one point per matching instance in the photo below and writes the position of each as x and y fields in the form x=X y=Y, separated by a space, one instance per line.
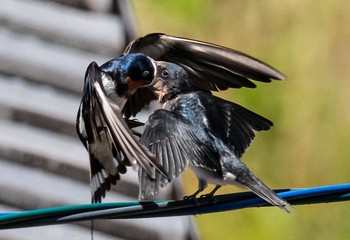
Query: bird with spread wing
x=197 y=129
x=209 y=67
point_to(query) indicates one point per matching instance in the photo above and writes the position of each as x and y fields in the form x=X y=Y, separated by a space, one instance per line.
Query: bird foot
x=209 y=196
x=192 y=197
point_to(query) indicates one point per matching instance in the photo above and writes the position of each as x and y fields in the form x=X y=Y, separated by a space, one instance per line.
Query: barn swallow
x=203 y=131
x=210 y=67
x=100 y=124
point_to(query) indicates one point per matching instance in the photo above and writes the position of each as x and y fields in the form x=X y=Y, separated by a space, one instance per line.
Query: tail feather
x=259 y=188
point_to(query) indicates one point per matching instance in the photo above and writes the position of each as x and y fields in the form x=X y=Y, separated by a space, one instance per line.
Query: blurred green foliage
x=309 y=145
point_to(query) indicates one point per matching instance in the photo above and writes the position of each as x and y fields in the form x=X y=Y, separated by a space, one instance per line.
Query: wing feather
x=234 y=124
x=123 y=137
x=210 y=67
x=169 y=137
x=108 y=139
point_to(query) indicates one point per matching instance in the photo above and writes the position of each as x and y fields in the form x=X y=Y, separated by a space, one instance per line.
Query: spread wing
x=210 y=67
x=232 y=123
x=107 y=137
x=173 y=140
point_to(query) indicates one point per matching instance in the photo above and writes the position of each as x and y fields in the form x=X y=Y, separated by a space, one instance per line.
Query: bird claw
x=190 y=197
x=204 y=196
x=209 y=196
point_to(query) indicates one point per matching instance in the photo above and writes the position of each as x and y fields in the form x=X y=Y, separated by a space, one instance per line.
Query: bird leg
x=201 y=186
x=211 y=194
x=194 y=195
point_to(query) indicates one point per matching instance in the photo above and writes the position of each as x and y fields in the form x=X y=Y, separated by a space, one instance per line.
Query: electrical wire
x=205 y=205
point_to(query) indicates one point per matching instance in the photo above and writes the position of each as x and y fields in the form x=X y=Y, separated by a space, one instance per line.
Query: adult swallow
x=100 y=124
x=203 y=131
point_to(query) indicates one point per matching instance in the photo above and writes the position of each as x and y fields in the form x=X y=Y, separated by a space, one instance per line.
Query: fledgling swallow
x=101 y=126
x=203 y=131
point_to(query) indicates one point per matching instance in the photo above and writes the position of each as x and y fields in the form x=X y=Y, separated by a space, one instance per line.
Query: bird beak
x=154 y=75
x=158 y=71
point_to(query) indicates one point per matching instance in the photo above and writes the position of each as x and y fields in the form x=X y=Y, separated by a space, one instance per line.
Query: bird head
x=127 y=73
x=170 y=80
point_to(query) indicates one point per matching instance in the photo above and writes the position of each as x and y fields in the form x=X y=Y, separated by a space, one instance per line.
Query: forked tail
x=259 y=188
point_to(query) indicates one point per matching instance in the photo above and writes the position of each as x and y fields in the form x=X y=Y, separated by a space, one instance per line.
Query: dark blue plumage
x=203 y=131
x=101 y=126
x=122 y=83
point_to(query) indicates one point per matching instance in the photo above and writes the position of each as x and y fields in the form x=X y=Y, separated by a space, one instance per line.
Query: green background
x=309 y=144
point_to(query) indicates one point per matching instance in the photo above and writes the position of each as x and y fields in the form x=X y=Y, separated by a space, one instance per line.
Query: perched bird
x=203 y=131
x=100 y=124
x=210 y=67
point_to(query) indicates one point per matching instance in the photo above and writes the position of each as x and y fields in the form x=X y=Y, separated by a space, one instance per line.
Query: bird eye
x=145 y=74
x=165 y=73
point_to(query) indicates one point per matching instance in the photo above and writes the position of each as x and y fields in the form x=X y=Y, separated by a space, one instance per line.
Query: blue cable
x=123 y=210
